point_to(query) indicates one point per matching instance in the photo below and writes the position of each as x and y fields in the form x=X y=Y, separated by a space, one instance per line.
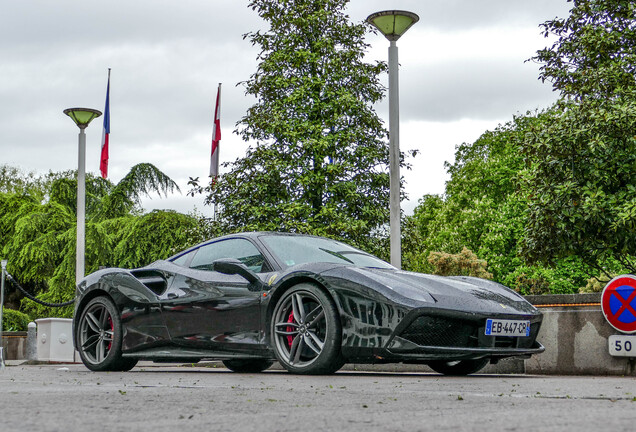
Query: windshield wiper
x=337 y=255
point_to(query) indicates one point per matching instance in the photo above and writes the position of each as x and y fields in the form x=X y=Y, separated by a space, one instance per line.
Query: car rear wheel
x=247 y=366
x=100 y=335
x=461 y=367
x=306 y=331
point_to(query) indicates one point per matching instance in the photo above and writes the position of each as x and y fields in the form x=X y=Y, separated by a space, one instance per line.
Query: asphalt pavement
x=68 y=397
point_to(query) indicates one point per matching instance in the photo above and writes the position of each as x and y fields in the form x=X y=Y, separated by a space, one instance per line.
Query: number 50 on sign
x=622 y=346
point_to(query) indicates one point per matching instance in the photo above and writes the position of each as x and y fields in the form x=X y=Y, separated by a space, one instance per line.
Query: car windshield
x=293 y=250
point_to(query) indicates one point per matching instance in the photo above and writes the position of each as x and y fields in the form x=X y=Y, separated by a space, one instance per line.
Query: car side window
x=240 y=249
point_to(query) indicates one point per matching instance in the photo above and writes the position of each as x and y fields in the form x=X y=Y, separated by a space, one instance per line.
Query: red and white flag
x=216 y=137
x=103 y=161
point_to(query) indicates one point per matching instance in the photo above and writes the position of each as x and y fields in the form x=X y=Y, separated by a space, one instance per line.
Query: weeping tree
x=318 y=157
x=38 y=235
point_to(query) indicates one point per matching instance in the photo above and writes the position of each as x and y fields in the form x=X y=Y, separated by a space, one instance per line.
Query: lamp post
x=3 y=264
x=82 y=117
x=393 y=24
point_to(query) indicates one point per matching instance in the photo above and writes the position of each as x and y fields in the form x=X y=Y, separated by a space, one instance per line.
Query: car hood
x=466 y=293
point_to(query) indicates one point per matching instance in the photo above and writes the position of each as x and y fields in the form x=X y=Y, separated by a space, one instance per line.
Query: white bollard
x=54 y=340
x=32 y=342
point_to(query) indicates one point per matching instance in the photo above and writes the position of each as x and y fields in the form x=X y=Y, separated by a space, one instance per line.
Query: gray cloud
x=33 y=22
x=167 y=58
x=449 y=15
x=480 y=90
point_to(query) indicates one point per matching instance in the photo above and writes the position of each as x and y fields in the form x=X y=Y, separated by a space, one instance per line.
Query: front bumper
x=427 y=334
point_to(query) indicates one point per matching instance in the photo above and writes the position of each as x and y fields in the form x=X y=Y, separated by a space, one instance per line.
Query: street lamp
x=3 y=264
x=82 y=117
x=394 y=24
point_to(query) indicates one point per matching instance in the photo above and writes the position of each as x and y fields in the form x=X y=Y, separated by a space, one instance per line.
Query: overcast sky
x=462 y=72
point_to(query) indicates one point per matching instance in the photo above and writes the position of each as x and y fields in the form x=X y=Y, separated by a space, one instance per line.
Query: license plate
x=500 y=327
x=622 y=345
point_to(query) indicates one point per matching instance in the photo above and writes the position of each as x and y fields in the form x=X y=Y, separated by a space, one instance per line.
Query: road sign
x=618 y=302
x=622 y=345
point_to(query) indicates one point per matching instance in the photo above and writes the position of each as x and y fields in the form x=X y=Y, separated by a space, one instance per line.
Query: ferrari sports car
x=311 y=303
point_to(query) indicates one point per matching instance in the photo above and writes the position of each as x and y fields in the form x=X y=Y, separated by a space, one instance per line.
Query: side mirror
x=231 y=266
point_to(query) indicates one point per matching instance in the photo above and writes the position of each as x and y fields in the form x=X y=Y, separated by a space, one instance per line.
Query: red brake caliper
x=290 y=338
x=112 y=329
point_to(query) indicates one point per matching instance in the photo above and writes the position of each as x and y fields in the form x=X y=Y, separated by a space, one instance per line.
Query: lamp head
x=82 y=116
x=393 y=23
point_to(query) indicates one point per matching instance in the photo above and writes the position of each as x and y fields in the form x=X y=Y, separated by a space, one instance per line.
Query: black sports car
x=309 y=302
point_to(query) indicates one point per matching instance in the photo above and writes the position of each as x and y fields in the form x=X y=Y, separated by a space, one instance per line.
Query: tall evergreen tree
x=319 y=159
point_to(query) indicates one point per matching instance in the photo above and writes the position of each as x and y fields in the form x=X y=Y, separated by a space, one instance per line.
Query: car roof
x=249 y=234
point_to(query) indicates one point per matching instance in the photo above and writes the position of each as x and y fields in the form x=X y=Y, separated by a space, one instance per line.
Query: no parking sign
x=618 y=302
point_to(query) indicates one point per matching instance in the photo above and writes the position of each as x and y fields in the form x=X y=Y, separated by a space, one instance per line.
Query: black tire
x=127 y=364
x=459 y=368
x=99 y=336
x=309 y=344
x=247 y=365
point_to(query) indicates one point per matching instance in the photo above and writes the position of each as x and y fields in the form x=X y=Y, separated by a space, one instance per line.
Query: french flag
x=103 y=161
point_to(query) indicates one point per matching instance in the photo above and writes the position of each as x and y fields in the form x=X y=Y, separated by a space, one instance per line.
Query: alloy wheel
x=96 y=333
x=300 y=328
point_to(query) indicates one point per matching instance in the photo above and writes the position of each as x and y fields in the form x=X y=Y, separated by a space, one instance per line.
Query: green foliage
x=593 y=56
x=125 y=196
x=153 y=236
x=319 y=164
x=13 y=320
x=37 y=231
x=464 y=263
x=14 y=181
x=581 y=161
x=564 y=277
x=550 y=199
x=596 y=284
x=483 y=210
x=581 y=184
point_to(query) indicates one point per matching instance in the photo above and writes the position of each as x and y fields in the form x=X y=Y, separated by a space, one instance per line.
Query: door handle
x=172 y=296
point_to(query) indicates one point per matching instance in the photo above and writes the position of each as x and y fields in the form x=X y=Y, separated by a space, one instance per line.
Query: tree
x=37 y=230
x=594 y=55
x=581 y=161
x=480 y=209
x=319 y=163
x=13 y=180
x=483 y=210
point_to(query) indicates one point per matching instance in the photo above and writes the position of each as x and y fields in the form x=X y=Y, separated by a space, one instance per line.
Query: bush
x=532 y=281
x=596 y=284
x=464 y=263
x=564 y=278
x=13 y=320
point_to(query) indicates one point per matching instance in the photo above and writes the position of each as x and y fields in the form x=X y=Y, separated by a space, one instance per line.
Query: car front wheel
x=306 y=331
x=100 y=335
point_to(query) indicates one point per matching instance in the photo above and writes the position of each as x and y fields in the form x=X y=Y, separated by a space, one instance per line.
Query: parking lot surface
x=170 y=397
